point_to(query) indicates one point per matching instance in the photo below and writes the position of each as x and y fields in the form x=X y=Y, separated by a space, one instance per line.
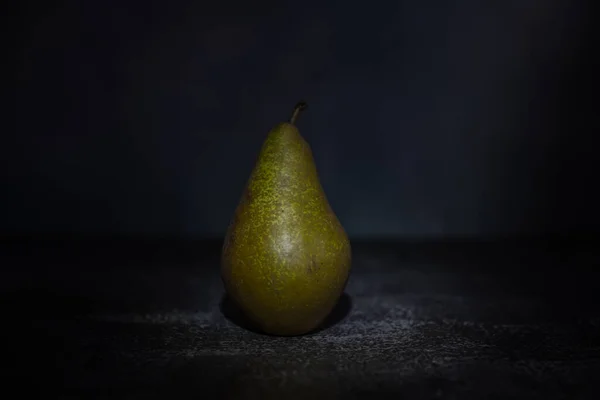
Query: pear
x=286 y=257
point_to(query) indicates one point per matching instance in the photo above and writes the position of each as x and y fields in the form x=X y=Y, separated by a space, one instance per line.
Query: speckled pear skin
x=286 y=257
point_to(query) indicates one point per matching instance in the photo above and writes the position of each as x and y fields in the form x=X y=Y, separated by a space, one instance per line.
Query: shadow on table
x=43 y=304
x=232 y=312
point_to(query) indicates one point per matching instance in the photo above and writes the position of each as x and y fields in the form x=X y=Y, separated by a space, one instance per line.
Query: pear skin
x=286 y=257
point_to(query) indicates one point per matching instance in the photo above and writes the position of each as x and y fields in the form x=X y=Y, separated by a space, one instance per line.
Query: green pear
x=286 y=257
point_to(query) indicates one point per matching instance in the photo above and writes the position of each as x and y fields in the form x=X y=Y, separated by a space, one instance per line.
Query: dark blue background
x=426 y=118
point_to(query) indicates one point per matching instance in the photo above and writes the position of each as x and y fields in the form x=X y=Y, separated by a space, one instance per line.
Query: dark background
x=426 y=118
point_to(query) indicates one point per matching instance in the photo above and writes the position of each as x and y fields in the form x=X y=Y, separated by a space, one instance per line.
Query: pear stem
x=297 y=110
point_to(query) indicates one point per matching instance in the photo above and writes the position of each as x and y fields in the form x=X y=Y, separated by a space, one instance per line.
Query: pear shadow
x=233 y=313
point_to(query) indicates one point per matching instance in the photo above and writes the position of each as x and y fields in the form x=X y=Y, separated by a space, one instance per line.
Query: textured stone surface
x=416 y=322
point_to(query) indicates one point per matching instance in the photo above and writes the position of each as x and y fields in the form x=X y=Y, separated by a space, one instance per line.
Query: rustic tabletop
x=124 y=319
